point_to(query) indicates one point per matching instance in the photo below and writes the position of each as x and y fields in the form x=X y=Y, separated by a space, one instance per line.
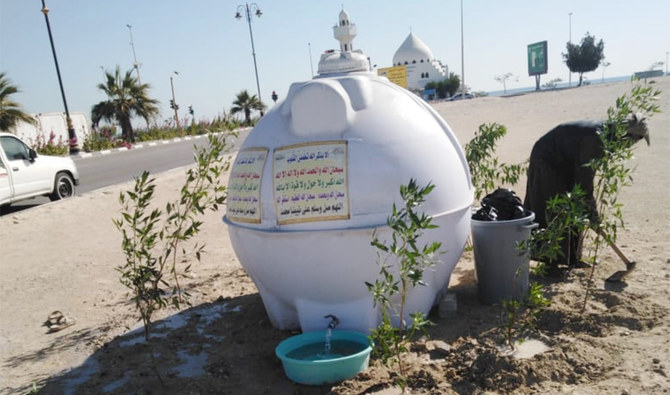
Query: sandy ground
x=63 y=256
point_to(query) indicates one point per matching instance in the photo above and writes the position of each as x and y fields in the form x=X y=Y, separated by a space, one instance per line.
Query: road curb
x=146 y=144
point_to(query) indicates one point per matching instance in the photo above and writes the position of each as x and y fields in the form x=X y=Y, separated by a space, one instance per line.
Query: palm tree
x=247 y=103
x=10 y=111
x=126 y=98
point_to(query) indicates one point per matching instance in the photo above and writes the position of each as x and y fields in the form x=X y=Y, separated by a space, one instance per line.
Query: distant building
x=422 y=67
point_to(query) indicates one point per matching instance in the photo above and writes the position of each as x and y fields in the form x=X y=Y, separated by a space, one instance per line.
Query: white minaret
x=345 y=60
x=344 y=32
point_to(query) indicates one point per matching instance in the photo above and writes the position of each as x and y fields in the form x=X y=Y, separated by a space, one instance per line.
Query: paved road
x=100 y=170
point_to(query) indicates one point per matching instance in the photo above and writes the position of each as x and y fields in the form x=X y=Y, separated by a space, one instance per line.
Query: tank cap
x=333 y=62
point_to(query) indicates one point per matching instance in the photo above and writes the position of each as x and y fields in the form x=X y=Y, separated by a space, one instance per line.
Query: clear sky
x=211 y=49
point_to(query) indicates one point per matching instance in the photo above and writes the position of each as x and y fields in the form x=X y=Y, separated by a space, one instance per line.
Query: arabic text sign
x=244 y=187
x=310 y=182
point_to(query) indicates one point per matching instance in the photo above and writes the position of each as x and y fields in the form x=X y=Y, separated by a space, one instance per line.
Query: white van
x=24 y=174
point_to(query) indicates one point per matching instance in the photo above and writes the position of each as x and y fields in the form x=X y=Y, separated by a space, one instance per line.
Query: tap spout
x=333 y=321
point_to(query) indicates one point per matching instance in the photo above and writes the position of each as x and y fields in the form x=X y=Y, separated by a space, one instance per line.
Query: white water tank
x=320 y=172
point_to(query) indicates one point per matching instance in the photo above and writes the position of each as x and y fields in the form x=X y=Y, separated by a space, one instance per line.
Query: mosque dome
x=412 y=50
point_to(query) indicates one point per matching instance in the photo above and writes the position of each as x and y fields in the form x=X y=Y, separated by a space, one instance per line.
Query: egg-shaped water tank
x=320 y=173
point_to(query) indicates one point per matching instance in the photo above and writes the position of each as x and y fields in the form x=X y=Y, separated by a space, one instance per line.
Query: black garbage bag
x=487 y=213
x=505 y=202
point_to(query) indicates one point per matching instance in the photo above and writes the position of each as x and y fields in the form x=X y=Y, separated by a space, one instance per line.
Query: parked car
x=458 y=96
x=24 y=174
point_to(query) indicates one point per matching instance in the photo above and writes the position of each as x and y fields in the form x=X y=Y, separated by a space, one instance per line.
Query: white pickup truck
x=24 y=174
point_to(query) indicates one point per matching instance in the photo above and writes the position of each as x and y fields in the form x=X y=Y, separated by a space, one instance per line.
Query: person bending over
x=559 y=161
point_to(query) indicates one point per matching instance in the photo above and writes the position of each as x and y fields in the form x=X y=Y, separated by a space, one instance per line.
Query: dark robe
x=557 y=163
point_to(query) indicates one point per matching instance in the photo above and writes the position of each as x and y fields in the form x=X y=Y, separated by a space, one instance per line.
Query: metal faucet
x=333 y=321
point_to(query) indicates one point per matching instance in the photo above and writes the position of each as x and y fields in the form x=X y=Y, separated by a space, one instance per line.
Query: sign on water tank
x=244 y=186
x=310 y=182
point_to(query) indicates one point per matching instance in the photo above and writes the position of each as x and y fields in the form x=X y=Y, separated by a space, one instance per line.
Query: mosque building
x=413 y=60
x=421 y=65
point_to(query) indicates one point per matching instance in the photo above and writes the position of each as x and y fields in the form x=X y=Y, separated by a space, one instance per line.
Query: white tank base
x=301 y=284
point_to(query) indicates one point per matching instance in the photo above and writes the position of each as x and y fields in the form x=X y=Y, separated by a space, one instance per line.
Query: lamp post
x=72 y=136
x=570 y=41
x=174 y=105
x=462 y=57
x=136 y=65
x=311 y=65
x=248 y=9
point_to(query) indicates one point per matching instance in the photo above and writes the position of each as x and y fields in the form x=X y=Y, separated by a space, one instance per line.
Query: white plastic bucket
x=501 y=267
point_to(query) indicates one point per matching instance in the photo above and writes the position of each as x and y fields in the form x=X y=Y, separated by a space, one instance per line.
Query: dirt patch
x=227 y=346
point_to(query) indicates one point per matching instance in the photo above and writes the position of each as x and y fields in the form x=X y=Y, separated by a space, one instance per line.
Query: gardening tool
x=630 y=265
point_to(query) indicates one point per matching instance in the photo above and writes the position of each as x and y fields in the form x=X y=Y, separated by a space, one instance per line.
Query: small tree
x=485 y=170
x=452 y=84
x=568 y=211
x=585 y=57
x=407 y=226
x=446 y=87
x=612 y=171
x=568 y=214
x=503 y=79
x=519 y=317
x=246 y=104
x=153 y=240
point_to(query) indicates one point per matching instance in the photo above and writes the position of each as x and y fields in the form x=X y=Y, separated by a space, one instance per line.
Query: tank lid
x=342 y=62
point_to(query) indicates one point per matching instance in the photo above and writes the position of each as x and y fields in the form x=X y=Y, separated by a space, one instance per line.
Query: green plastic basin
x=305 y=361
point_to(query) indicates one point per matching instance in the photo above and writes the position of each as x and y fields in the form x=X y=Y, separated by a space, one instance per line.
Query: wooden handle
x=615 y=248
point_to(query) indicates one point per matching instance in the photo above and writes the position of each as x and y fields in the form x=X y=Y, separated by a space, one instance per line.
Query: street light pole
x=462 y=57
x=135 y=65
x=174 y=100
x=72 y=136
x=311 y=65
x=248 y=9
x=570 y=41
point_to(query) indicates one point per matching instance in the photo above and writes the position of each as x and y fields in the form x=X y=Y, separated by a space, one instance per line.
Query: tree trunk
x=247 y=115
x=127 y=130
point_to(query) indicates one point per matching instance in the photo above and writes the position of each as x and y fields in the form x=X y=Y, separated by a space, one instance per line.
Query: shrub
x=50 y=146
x=99 y=140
